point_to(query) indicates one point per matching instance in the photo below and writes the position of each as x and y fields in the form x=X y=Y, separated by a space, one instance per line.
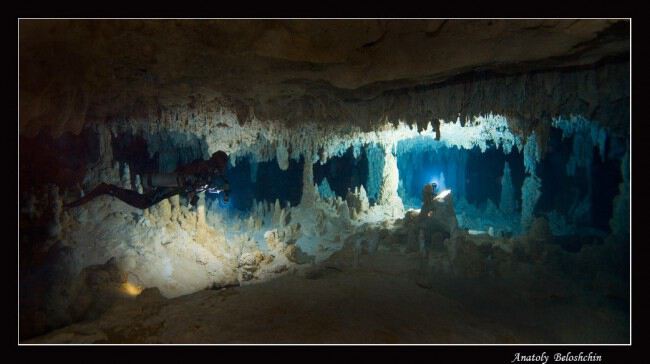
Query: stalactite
x=356 y=150
x=322 y=155
x=481 y=130
x=282 y=156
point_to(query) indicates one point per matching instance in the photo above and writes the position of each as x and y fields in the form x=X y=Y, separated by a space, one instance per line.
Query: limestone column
x=375 y=166
x=200 y=210
x=388 y=196
x=309 y=191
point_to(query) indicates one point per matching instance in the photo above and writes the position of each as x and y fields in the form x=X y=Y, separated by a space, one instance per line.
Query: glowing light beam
x=131 y=289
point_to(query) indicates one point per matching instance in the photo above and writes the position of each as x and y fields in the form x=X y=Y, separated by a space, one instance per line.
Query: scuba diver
x=428 y=194
x=193 y=178
x=434 y=189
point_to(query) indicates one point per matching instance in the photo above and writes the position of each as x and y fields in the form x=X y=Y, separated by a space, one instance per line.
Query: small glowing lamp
x=131 y=289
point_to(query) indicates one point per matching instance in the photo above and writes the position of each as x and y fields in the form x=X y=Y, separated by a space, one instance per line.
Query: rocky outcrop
x=334 y=72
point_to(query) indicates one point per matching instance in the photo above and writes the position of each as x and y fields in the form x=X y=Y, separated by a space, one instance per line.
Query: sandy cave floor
x=381 y=300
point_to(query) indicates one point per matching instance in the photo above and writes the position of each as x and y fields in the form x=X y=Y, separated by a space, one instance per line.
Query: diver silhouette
x=193 y=178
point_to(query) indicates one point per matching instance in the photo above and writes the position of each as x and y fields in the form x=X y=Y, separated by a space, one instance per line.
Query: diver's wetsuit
x=193 y=178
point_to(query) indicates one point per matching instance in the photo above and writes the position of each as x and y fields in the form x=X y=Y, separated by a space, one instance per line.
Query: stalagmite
x=530 y=193
x=125 y=177
x=309 y=192
x=343 y=210
x=138 y=184
x=104 y=170
x=507 y=203
x=363 y=199
x=390 y=180
x=357 y=200
x=324 y=189
x=532 y=154
x=163 y=210
x=279 y=214
x=200 y=210
x=175 y=203
x=375 y=166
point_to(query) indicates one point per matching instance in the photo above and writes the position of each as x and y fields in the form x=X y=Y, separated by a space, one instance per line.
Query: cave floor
x=380 y=300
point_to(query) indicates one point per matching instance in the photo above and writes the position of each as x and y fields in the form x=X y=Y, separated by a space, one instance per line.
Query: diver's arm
x=219 y=183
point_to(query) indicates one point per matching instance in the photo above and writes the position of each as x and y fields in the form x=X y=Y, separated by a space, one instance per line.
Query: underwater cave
x=417 y=202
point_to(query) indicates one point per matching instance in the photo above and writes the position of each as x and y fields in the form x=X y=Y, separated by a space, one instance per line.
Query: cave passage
x=262 y=181
x=576 y=190
x=578 y=182
x=497 y=192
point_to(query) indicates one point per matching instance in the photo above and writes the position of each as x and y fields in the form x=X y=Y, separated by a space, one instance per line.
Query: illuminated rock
x=388 y=196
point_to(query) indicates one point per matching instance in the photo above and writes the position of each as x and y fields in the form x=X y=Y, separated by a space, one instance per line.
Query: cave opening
x=262 y=181
x=344 y=172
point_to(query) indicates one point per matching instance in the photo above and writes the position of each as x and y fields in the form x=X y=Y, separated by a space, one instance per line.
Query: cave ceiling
x=329 y=71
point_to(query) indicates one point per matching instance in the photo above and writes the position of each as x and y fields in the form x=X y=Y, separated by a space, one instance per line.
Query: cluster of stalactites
x=479 y=132
x=271 y=140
